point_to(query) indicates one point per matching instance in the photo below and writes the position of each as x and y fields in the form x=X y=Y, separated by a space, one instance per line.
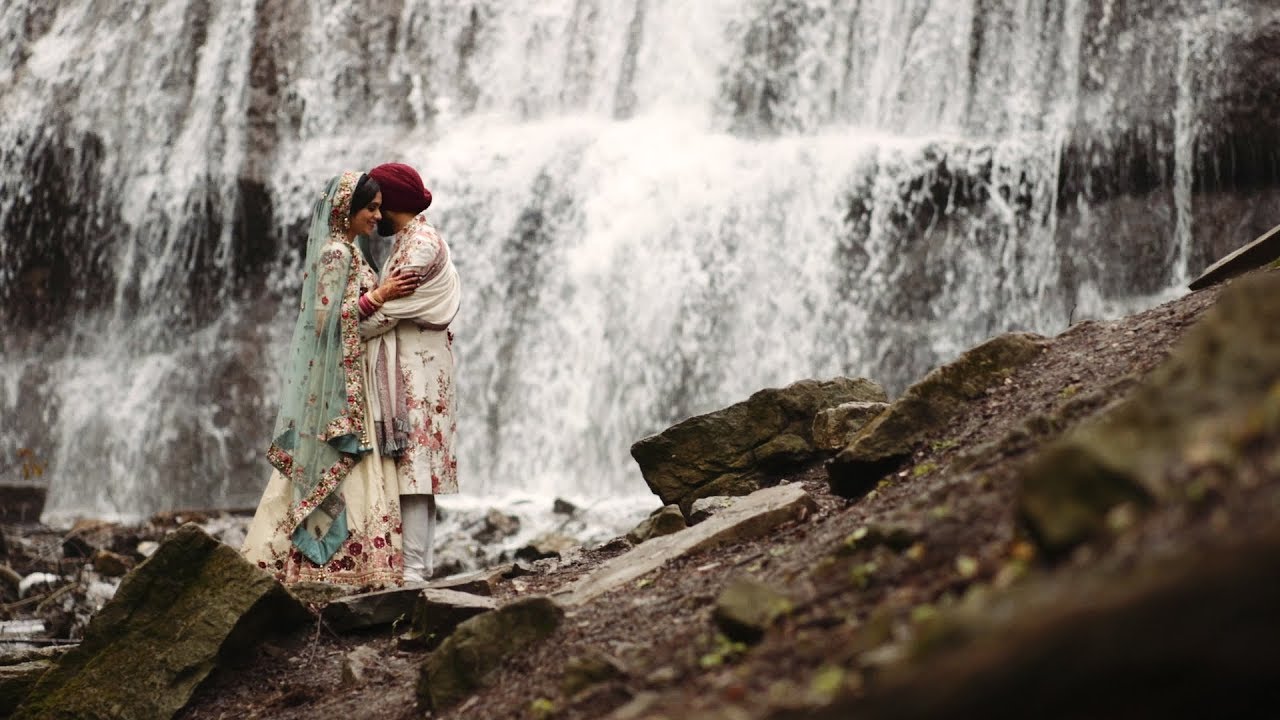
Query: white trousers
x=418 y=525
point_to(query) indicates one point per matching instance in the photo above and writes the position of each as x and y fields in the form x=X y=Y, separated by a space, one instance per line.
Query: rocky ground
x=923 y=592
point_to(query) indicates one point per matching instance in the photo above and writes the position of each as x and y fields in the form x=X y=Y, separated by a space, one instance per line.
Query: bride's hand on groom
x=399 y=285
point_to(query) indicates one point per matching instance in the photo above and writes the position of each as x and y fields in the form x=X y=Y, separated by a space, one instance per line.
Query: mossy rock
x=926 y=408
x=897 y=536
x=835 y=427
x=192 y=603
x=586 y=671
x=478 y=646
x=735 y=450
x=746 y=608
x=664 y=521
x=1215 y=391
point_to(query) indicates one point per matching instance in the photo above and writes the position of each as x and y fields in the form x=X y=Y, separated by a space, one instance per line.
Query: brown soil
x=854 y=609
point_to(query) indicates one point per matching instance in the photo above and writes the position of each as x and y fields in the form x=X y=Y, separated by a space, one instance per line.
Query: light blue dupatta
x=319 y=433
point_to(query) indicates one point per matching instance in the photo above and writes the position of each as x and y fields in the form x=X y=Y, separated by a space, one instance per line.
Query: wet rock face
x=1218 y=393
x=924 y=408
x=734 y=450
x=193 y=602
x=63 y=189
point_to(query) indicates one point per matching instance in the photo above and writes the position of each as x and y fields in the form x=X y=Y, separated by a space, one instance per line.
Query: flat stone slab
x=370 y=610
x=750 y=517
x=439 y=612
x=1250 y=257
x=480 y=582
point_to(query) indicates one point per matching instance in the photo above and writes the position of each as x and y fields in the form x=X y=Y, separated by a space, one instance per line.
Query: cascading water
x=657 y=207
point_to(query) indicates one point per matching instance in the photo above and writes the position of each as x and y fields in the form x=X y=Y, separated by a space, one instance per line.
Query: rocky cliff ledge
x=1074 y=526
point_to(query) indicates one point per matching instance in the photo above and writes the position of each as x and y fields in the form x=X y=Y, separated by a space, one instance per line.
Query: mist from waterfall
x=656 y=207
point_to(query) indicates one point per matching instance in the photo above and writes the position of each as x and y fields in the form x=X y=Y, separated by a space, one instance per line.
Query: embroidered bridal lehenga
x=330 y=512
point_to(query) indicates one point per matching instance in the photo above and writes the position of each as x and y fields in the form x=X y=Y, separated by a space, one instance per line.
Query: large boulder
x=735 y=450
x=143 y=655
x=460 y=666
x=924 y=408
x=1218 y=392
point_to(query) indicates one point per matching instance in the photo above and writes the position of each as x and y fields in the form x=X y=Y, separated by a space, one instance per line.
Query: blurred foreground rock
x=1192 y=638
x=1201 y=411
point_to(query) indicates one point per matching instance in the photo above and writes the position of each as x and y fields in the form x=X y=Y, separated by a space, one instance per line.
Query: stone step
x=1261 y=251
x=438 y=613
x=752 y=516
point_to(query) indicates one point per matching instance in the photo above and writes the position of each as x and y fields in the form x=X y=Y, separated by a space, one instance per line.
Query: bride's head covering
x=319 y=433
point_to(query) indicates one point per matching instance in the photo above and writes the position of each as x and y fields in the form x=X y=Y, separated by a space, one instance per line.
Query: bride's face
x=366 y=218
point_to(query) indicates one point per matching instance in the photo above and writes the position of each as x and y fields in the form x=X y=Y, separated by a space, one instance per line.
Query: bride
x=331 y=510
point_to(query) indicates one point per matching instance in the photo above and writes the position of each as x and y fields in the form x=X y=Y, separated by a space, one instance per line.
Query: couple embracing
x=364 y=440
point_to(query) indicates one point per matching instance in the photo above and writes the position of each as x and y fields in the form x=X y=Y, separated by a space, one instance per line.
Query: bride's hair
x=366 y=188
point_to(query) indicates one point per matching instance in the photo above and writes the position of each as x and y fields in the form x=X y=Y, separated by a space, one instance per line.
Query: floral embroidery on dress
x=370 y=558
x=357 y=486
x=424 y=354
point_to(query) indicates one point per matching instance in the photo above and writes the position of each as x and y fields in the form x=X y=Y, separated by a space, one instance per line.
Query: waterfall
x=656 y=207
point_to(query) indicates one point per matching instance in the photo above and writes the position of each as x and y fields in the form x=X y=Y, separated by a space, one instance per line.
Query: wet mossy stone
x=1217 y=383
x=193 y=603
x=478 y=646
x=925 y=408
x=733 y=451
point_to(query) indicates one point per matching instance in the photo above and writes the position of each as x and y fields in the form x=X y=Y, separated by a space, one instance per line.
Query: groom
x=414 y=363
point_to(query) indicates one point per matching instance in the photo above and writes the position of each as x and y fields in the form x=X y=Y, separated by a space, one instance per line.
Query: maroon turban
x=402 y=188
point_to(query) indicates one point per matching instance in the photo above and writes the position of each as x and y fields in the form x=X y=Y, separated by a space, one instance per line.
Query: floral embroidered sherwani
x=412 y=334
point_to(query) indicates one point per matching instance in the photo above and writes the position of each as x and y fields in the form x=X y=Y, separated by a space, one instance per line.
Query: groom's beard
x=386 y=228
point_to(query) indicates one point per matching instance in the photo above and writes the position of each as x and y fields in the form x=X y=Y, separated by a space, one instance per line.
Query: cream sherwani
x=410 y=337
